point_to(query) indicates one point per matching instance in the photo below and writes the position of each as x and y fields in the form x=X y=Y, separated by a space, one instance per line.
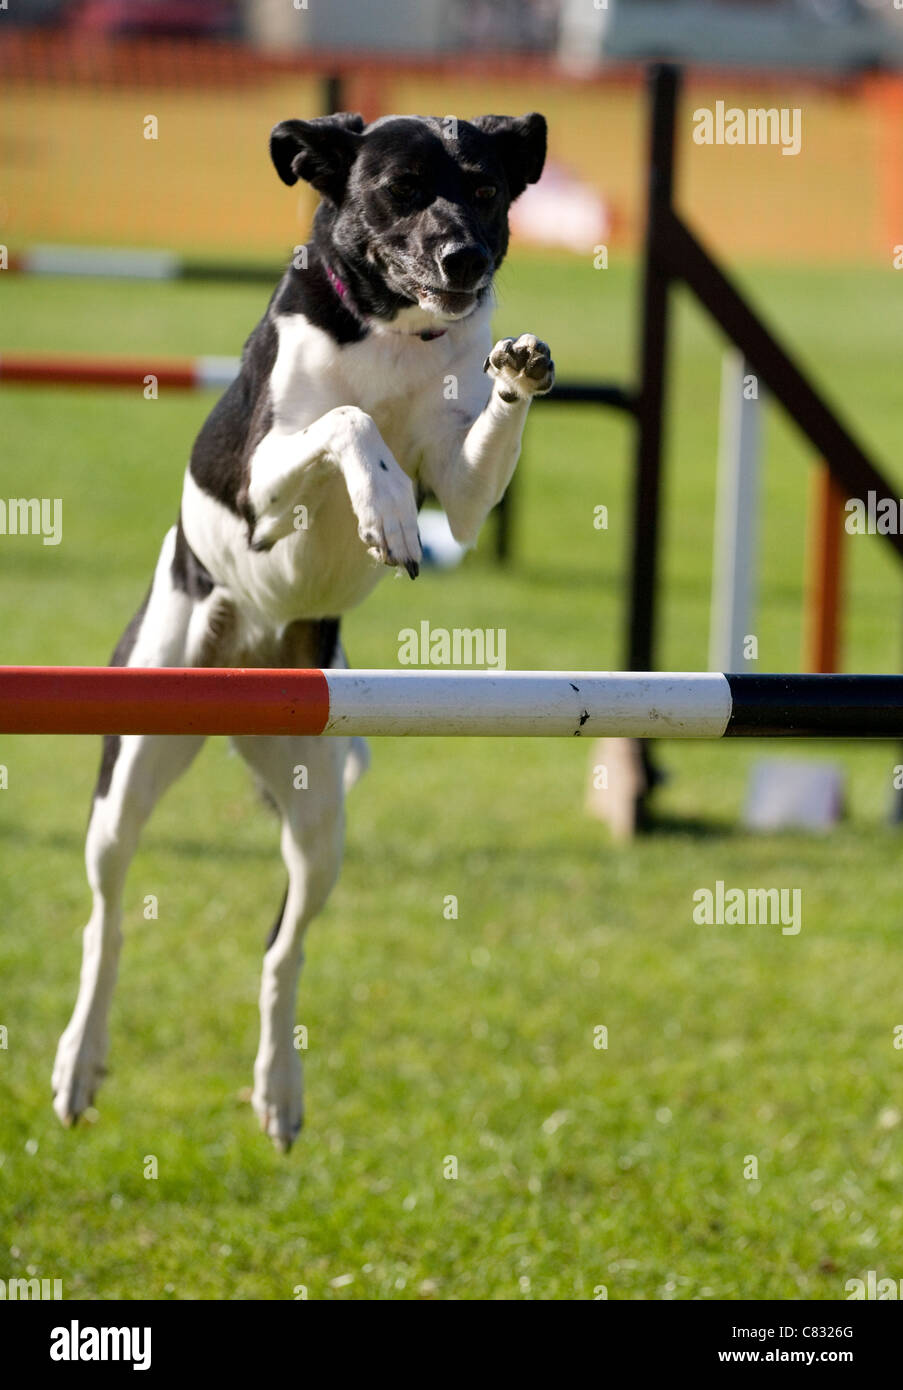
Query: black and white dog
x=341 y=414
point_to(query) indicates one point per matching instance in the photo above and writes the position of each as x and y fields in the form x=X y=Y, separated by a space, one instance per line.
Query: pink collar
x=427 y=336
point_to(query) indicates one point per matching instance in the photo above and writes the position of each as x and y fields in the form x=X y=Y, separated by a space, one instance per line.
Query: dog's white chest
x=404 y=383
x=418 y=395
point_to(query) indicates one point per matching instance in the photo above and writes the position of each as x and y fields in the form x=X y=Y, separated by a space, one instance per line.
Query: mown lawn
x=470 y=1038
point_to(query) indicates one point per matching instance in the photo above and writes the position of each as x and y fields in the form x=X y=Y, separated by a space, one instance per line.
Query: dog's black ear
x=320 y=151
x=521 y=142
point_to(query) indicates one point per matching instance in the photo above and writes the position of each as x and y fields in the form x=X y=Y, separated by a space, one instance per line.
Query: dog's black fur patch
x=309 y=292
x=111 y=746
x=327 y=641
x=274 y=929
x=238 y=422
x=188 y=574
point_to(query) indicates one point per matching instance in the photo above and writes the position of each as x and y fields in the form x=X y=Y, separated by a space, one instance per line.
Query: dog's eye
x=403 y=189
x=486 y=191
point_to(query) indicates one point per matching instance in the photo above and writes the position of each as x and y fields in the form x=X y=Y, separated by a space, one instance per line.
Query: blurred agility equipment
x=51 y=369
x=79 y=168
x=117 y=263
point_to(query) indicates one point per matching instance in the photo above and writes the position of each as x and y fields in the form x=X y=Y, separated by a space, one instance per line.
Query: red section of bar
x=132 y=700
x=48 y=369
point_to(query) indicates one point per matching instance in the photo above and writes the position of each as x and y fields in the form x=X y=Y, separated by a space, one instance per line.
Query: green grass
x=474 y=1037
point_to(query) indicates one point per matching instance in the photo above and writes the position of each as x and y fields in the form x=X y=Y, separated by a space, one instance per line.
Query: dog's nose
x=465 y=265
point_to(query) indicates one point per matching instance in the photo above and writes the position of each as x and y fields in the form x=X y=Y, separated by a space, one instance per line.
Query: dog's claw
x=389 y=534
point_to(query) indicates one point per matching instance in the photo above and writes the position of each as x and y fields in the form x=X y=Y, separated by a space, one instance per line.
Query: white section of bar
x=562 y=704
x=112 y=262
x=216 y=371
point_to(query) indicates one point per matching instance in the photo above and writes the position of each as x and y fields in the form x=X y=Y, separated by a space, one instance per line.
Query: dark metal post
x=664 y=85
x=333 y=96
x=504 y=521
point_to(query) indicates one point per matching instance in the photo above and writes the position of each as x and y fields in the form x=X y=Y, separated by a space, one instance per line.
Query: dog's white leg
x=145 y=766
x=381 y=493
x=472 y=481
x=312 y=838
x=135 y=771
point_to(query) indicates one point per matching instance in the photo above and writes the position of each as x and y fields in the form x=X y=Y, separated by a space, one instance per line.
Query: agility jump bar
x=123 y=263
x=52 y=369
x=535 y=704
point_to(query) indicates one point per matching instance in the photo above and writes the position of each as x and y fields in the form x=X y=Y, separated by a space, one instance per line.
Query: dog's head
x=414 y=209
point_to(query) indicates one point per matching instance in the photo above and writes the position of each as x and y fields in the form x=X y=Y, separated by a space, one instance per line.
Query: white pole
x=736 y=516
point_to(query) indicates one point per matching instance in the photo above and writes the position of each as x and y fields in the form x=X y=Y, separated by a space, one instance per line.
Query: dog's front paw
x=521 y=368
x=387 y=519
x=77 y=1073
x=278 y=1102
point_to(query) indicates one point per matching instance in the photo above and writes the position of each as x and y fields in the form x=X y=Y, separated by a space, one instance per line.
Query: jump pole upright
x=629 y=762
x=513 y=704
x=736 y=517
x=824 y=562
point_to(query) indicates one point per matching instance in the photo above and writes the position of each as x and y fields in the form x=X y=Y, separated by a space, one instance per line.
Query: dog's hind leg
x=135 y=771
x=304 y=778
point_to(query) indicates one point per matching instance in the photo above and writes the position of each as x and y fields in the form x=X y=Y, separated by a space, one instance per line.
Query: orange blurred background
x=75 y=166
